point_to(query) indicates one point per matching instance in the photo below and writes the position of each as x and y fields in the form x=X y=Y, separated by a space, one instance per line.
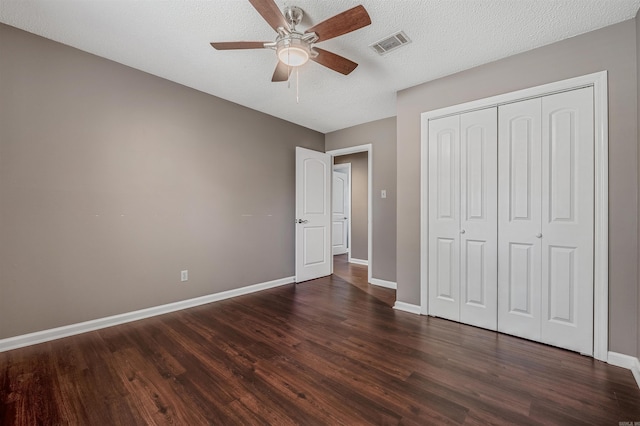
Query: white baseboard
x=359 y=261
x=96 y=324
x=407 y=307
x=626 y=361
x=383 y=283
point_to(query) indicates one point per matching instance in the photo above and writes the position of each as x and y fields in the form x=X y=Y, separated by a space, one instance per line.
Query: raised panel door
x=567 y=220
x=313 y=214
x=340 y=212
x=444 y=217
x=519 y=214
x=479 y=218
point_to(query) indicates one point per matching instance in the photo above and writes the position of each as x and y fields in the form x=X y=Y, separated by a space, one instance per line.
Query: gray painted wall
x=113 y=180
x=359 y=202
x=613 y=49
x=382 y=135
x=638 y=103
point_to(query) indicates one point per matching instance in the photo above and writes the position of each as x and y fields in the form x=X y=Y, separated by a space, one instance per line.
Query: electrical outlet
x=184 y=275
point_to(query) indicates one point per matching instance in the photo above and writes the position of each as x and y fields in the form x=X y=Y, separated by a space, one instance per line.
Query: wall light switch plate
x=184 y=275
x=383 y=193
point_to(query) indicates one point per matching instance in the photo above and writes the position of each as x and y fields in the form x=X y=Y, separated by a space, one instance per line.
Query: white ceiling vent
x=390 y=43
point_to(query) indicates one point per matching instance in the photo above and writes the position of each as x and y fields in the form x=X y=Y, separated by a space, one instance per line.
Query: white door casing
x=313 y=214
x=340 y=206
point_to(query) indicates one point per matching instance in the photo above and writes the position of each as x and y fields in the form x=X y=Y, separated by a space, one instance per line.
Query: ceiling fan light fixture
x=295 y=48
x=293 y=52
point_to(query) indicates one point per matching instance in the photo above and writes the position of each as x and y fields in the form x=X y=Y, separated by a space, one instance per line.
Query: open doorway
x=350 y=187
x=364 y=248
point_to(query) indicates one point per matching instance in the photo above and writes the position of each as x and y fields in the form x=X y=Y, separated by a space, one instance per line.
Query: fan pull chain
x=297 y=86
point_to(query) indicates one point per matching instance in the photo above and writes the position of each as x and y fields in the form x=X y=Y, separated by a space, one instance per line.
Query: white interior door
x=340 y=205
x=313 y=214
x=479 y=218
x=444 y=217
x=463 y=218
x=546 y=167
x=519 y=211
x=567 y=220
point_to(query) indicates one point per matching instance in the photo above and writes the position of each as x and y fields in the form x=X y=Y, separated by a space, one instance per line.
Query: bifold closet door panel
x=444 y=217
x=567 y=220
x=479 y=218
x=519 y=218
x=511 y=218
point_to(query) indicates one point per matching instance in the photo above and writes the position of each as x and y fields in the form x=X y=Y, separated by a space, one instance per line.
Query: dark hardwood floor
x=357 y=275
x=328 y=351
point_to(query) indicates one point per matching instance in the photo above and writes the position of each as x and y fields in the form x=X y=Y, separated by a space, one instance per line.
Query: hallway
x=356 y=275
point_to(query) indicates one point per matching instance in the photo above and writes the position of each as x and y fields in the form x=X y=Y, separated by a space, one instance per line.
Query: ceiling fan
x=295 y=48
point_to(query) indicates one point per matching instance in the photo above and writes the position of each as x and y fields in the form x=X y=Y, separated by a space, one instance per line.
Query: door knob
x=538 y=235
x=301 y=221
x=462 y=231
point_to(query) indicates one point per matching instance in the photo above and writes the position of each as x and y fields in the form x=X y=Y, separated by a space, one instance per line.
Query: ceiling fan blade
x=282 y=72
x=269 y=10
x=228 y=45
x=343 y=23
x=335 y=62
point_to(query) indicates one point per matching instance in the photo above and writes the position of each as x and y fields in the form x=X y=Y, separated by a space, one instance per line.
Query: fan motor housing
x=293 y=15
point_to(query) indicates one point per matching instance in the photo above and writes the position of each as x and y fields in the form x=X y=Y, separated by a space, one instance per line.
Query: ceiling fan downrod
x=294 y=16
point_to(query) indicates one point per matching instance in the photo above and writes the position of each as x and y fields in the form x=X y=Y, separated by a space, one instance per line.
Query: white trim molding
x=626 y=361
x=384 y=283
x=407 y=307
x=368 y=148
x=598 y=81
x=96 y=324
x=359 y=262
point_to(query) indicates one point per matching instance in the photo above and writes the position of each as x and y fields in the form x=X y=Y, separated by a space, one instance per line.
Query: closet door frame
x=601 y=194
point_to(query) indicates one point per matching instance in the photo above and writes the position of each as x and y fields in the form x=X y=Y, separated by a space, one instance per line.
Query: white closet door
x=519 y=218
x=567 y=220
x=444 y=217
x=479 y=218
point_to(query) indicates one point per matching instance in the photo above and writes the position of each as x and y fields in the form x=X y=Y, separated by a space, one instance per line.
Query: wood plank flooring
x=328 y=351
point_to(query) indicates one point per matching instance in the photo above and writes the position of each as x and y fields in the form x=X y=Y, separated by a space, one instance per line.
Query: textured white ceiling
x=171 y=39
